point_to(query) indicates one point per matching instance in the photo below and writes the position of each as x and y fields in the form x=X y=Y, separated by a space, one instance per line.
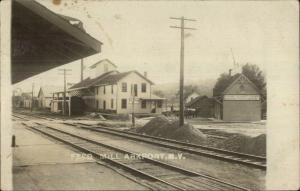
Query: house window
x=143 y=104
x=104 y=104
x=103 y=89
x=135 y=90
x=97 y=104
x=144 y=87
x=124 y=87
x=97 y=90
x=112 y=89
x=124 y=103
x=112 y=103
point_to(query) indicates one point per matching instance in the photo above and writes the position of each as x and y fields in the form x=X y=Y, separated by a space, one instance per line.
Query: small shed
x=240 y=101
x=203 y=106
x=45 y=96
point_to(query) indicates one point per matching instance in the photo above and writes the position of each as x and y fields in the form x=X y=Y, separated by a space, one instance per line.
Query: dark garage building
x=203 y=106
x=240 y=101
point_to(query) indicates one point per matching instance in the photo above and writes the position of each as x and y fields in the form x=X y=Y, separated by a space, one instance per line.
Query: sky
x=136 y=35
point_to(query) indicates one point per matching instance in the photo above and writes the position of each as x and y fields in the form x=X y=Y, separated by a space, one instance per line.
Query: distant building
x=27 y=101
x=202 y=106
x=239 y=101
x=101 y=67
x=110 y=91
x=45 y=96
x=192 y=96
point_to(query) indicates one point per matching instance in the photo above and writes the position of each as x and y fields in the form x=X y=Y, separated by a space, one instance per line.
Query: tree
x=251 y=71
x=255 y=75
x=187 y=90
x=159 y=93
x=222 y=82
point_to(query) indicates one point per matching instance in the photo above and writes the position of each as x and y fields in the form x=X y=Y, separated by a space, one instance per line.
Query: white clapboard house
x=110 y=91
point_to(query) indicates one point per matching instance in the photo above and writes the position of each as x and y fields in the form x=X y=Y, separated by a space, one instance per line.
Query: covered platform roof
x=153 y=98
x=42 y=40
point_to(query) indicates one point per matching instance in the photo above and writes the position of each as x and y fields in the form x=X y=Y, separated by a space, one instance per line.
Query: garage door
x=241 y=110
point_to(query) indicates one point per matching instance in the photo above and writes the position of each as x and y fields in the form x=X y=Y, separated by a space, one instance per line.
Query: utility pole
x=133 y=98
x=182 y=28
x=65 y=89
x=81 y=70
x=32 y=97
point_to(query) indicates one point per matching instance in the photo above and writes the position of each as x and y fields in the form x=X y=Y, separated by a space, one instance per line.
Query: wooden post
x=133 y=96
x=13 y=142
x=32 y=97
x=64 y=104
x=70 y=97
x=65 y=89
x=81 y=70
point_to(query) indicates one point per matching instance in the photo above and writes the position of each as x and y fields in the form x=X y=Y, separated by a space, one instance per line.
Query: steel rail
x=153 y=161
x=20 y=117
x=231 y=156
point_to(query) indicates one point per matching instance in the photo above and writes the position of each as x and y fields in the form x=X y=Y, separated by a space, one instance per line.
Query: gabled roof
x=235 y=79
x=154 y=97
x=89 y=82
x=225 y=83
x=101 y=61
x=49 y=90
x=114 y=78
x=193 y=101
x=105 y=79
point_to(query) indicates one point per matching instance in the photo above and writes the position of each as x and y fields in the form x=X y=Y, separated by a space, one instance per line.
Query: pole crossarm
x=180 y=18
x=188 y=28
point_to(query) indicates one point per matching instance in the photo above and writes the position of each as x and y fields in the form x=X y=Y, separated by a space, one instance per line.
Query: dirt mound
x=151 y=128
x=162 y=127
x=245 y=144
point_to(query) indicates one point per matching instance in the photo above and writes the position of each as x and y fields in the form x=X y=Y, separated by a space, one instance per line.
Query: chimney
x=145 y=74
x=230 y=72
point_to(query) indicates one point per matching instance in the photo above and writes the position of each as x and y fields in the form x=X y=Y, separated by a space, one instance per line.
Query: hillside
x=170 y=89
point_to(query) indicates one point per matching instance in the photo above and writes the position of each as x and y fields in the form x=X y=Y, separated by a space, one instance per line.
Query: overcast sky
x=136 y=36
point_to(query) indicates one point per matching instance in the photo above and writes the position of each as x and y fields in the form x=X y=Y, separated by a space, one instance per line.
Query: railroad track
x=220 y=154
x=159 y=175
x=36 y=115
x=20 y=117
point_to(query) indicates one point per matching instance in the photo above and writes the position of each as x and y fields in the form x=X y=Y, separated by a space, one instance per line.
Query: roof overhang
x=153 y=99
x=42 y=40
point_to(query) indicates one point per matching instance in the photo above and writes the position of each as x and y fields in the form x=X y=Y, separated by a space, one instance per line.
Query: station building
x=107 y=90
x=239 y=101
